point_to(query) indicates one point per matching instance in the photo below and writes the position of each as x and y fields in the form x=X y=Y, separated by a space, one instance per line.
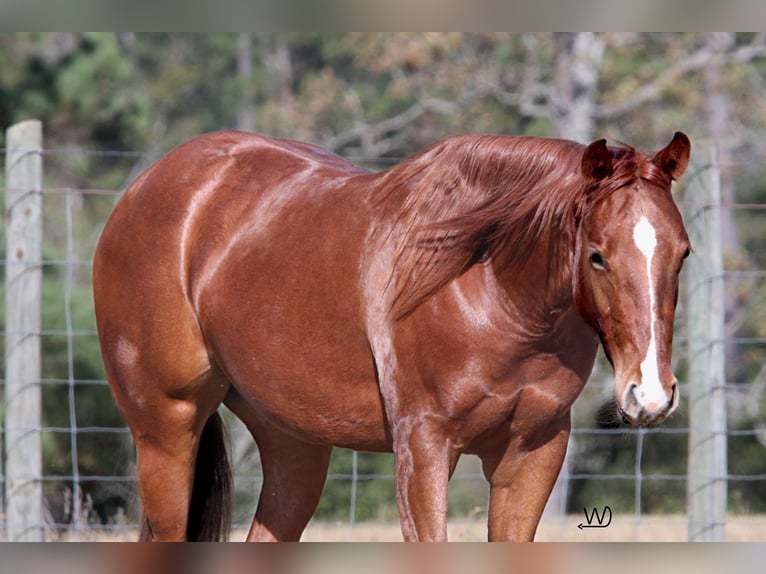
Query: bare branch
x=703 y=57
x=362 y=130
x=371 y=133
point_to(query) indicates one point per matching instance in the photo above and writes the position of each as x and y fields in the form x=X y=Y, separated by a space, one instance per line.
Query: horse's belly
x=305 y=368
x=319 y=394
x=348 y=415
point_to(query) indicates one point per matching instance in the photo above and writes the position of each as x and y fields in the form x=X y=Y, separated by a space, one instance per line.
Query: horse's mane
x=470 y=198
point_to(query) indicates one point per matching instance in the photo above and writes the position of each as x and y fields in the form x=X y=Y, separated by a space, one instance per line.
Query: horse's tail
x=210 y=507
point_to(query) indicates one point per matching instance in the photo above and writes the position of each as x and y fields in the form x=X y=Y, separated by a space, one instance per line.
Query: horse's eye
x=597 y=260
x=687 y=252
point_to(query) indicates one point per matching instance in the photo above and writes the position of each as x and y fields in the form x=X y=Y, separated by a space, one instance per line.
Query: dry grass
x=666 y=528
x=622 y=529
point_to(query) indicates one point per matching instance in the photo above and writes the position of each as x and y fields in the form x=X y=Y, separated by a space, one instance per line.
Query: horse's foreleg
x=294 y=474
x=520 y=484
x=424 y=460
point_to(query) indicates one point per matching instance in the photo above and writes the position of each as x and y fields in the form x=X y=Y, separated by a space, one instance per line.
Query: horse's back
x=205 y=187
x=231 y=159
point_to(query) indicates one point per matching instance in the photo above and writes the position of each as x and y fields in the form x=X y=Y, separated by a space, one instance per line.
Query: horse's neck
x=541 y=285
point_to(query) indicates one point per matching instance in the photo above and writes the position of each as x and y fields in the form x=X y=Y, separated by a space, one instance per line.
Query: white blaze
x=650 y=391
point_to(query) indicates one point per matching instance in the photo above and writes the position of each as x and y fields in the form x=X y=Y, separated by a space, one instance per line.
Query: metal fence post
x=23 y=210
x=707 y=465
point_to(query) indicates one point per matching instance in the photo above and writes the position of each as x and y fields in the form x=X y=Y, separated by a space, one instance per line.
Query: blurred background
x=111 y=103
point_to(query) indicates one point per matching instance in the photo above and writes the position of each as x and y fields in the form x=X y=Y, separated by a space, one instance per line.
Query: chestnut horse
x=451 y=304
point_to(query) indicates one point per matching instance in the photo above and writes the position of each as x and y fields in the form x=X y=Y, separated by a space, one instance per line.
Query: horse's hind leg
x=167 y=446
x=294 y=474
x=167 y=432
x=166 y=390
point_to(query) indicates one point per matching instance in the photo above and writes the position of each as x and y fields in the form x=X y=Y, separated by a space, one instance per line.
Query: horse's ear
x=674 y=158
x=597 y=161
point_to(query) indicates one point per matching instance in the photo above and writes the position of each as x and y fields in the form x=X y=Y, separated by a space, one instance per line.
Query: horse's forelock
x=630 y=167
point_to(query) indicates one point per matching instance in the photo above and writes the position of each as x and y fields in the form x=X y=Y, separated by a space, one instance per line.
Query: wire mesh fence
x=86 y=478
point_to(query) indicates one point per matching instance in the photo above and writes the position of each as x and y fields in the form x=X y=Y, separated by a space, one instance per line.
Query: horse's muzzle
x=638 y=409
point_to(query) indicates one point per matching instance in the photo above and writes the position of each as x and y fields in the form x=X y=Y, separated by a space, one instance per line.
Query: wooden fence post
x=23 y=277
x=707 y=464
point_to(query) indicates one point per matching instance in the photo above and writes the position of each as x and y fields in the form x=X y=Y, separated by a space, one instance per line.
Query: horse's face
x=632 y=245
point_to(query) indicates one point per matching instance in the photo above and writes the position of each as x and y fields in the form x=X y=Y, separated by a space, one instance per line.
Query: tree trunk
x=577 y=68
x=718 y=122
x=578 y=65
x=245 y=118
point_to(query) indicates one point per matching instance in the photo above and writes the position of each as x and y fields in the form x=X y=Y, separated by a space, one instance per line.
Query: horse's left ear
x=596 y=161
x=674 y=158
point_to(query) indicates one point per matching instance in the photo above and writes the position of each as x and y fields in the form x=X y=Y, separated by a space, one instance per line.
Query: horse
x=451 y=304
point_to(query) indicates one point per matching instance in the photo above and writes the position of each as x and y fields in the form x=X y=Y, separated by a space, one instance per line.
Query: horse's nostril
x=631 y=404
x=673 y=402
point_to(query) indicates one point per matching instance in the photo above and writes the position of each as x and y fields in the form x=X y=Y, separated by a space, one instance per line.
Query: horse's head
x=630 y=247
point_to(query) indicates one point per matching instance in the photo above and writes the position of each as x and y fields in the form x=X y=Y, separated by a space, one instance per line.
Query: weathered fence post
x=707 y=467
x=23 y=276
